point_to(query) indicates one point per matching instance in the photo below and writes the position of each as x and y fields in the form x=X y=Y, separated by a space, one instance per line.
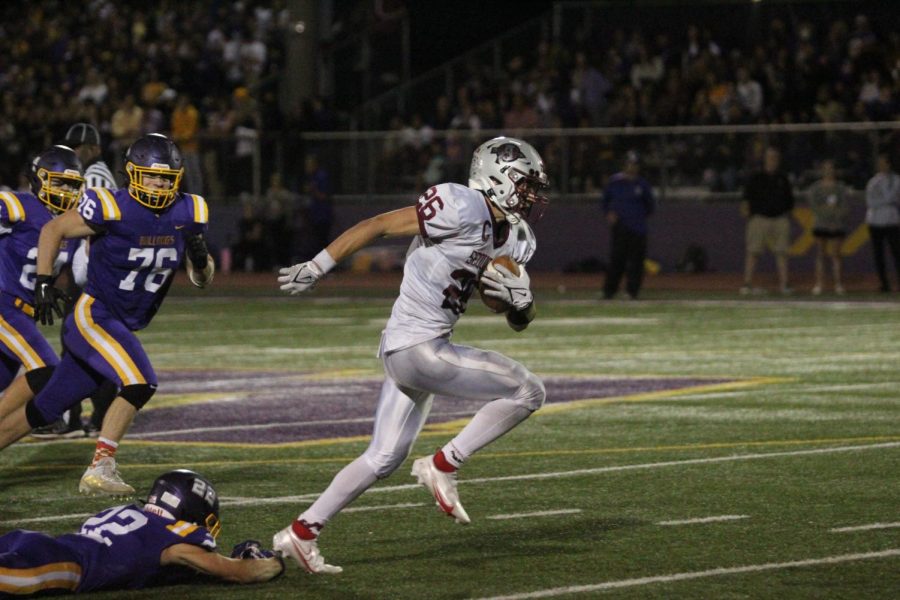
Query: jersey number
x=29 y=269
x=429 y=204
x=457 y=294
x=148 y=257
x=116 y=522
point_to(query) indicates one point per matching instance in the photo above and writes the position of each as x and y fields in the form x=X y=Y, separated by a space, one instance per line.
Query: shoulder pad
x=107 y=201
x=14 y=209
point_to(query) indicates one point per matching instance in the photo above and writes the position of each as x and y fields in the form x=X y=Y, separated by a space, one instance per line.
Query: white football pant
x=413 y=377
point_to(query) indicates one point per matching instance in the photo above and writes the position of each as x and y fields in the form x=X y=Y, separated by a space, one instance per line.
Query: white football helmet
x=511 y=174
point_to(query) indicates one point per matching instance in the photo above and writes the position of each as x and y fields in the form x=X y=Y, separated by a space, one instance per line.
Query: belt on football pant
x=24 y=307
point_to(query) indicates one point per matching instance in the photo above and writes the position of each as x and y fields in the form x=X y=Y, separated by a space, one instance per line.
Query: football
x=495 y=304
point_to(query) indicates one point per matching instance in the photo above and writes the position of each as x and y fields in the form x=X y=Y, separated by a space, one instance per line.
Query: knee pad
x=38 y=378
x=35 y=417
x=138 y=394
x=532 y=393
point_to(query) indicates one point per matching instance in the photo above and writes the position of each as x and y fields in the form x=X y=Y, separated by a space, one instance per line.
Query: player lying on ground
x=170 y=539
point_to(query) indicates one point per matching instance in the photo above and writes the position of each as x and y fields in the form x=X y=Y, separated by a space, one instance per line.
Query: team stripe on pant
x=105 y=344
x=20 y=347
x=54 y=576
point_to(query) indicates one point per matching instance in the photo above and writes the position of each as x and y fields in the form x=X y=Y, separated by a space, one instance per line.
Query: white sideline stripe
x=865 y=527
x=624 y=583
x=543 y=513
x=705 y=520
x=229 y=502
x=241 y=501
x=279 y=425
x=384 y=507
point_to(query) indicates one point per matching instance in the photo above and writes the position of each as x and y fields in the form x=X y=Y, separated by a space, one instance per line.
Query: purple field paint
x=260 y=407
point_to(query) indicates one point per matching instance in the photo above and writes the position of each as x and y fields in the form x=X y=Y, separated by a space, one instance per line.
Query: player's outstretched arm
x=302 y=277
x=234 y=570
x=68 y=225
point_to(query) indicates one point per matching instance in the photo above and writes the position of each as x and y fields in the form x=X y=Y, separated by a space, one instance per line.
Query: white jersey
x=458 y=238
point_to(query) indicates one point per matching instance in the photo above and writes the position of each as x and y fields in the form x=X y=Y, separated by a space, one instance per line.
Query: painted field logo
x=273 y=408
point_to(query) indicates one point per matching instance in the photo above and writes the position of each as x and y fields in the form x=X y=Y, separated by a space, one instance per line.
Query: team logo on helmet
x=507 y=153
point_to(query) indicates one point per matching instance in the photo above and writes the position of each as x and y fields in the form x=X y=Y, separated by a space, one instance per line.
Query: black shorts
x=829 y=234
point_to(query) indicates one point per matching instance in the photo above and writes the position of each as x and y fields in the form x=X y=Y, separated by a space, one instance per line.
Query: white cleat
x=103 y=479
x=442 y=486
x=305 y=552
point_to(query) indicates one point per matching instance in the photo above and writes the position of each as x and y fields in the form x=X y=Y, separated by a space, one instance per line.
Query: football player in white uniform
x=458 y=230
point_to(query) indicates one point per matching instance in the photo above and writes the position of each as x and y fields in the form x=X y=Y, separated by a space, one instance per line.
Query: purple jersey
x=119 y=548
x=133 y=258
x=22 y=216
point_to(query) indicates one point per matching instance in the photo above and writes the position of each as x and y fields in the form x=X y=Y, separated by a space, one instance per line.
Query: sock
x=305 y=530
x=106 y=448
x=447 y=459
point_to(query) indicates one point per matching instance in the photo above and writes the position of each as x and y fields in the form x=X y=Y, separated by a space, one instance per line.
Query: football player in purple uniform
x=138 y=238
x=170 y=539
x=56 y=184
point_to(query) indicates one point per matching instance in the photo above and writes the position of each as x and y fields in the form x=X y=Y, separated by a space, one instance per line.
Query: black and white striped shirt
x=98 y=175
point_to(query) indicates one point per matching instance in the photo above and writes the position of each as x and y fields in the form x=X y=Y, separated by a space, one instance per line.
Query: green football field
x=693 y=446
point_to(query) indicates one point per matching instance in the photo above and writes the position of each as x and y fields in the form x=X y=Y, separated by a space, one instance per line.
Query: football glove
x=196 y=250
x=300 y=278
x=251 y=549
x=510 y=288
x=48 y=300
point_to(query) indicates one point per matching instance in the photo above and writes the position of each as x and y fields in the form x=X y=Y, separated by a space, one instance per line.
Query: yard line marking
x=638 y=581
x=530 y=476
x=543 y=513
x=865 y=527
x=383 y=507
x=48 y=519
x=705 y=520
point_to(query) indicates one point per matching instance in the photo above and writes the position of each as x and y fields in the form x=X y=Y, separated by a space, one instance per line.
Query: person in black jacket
x=767 y=205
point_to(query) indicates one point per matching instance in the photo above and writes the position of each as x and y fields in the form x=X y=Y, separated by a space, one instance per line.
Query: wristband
x=324 y=261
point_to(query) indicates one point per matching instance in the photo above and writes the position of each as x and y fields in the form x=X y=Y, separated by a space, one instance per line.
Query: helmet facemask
x=151 y=196
x=59 y=190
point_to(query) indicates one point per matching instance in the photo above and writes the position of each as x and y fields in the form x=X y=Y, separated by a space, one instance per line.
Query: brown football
x=495 y=304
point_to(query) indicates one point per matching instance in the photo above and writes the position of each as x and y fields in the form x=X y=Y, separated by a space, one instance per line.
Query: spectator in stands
x=767 y=205
x=749 y=93
x=627 y=202
x=319 y=209
x=250 y=248
x=185 y=125
x=883 y=218
x=829 y=201
x=125 y=127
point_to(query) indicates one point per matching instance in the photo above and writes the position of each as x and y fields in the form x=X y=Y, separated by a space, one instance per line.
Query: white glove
x=304 y=276
x=512 y=289
x=300 y=278
x=525 y=243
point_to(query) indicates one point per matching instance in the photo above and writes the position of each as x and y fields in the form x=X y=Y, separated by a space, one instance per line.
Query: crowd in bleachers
x=793 y=70
x=130 y=68
x=208 y=73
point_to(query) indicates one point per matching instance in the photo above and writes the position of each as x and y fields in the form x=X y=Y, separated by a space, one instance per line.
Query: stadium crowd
x=208 y=74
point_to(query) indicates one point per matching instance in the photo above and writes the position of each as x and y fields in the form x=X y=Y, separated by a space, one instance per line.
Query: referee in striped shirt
x=84 y=139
